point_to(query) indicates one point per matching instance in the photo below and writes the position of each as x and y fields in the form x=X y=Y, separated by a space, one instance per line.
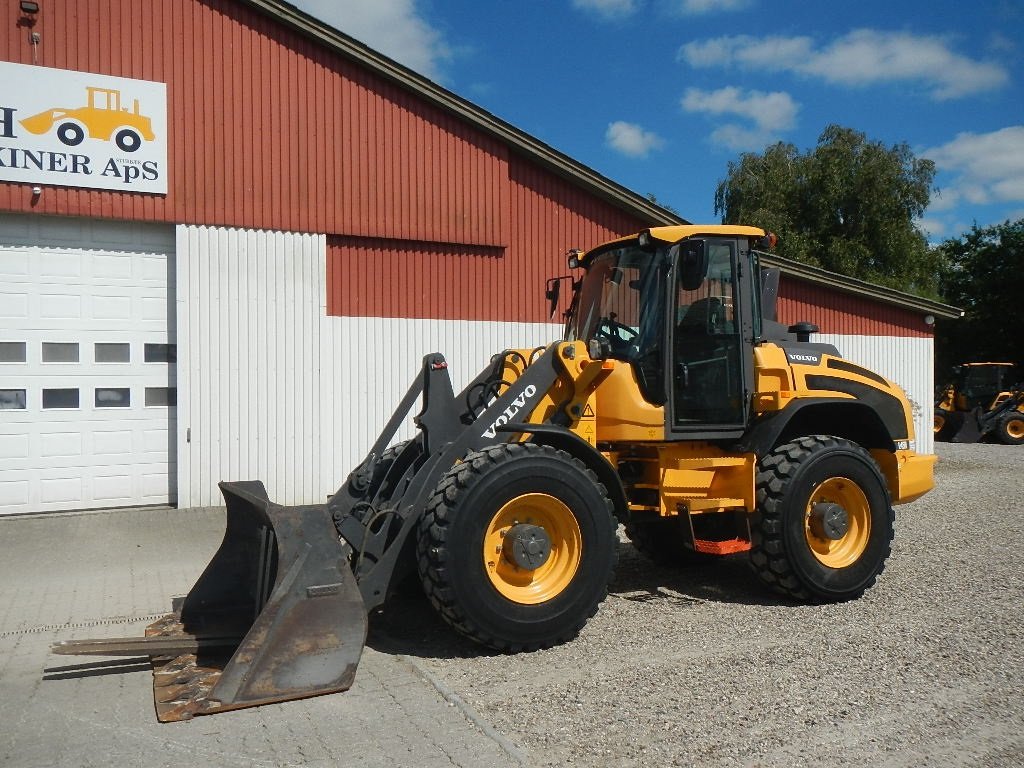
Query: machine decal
x=507 y=415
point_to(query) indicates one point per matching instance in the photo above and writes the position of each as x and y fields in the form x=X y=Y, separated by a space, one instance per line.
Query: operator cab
x=683 y=313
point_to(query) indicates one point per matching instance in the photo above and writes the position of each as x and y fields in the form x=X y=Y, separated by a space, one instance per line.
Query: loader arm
x=377 y=522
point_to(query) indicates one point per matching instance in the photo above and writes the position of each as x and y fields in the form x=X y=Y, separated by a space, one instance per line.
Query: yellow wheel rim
x=531 y=586
x=846 y=550
x=1015 y=428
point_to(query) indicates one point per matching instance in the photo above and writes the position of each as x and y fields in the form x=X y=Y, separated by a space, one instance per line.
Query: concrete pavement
x=108 y=574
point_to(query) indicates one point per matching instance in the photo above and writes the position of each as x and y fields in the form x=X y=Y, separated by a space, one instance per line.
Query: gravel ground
x=704 y=667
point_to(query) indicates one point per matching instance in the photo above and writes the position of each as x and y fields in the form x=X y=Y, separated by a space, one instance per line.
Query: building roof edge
x=858 y=287
x=519 y=140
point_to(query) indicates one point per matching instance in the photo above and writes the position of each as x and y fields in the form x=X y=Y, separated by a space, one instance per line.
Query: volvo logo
x=507 y=415
x=803 y=357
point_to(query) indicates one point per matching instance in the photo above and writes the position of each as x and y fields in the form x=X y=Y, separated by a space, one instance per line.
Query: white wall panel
x=248 y=360
x=270 y=388
x=905 y=360
x=374 y=360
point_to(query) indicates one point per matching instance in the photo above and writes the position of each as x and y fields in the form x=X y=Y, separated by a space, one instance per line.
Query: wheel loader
x=980 y=403
x=674 y=405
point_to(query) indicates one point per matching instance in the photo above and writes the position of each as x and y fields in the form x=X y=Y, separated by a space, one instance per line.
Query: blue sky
x=659 y=95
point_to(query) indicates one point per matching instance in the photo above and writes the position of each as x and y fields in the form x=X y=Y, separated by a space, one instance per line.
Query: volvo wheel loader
x=980 y=403
x=674 y=404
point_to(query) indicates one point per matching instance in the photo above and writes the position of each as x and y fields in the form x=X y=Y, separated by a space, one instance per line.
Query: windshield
x=620 y=301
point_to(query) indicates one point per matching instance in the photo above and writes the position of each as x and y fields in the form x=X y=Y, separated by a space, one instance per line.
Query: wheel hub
x=526 y=546
x=829 y=521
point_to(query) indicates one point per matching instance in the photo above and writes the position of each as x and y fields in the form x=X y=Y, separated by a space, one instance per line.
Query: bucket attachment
x=972 y=428
x=277 y=615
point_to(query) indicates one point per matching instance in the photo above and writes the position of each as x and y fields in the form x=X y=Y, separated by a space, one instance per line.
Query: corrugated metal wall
x=269 y=130
x=401 y=278
x=272 y=388
x=903 y=359
x=249 y=378
x=845 y=313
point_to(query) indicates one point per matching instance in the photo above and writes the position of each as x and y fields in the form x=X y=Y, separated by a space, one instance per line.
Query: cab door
x=710 y=330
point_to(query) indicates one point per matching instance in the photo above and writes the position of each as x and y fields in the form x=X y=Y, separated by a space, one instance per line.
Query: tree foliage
x=984 y=276
x=848 y=206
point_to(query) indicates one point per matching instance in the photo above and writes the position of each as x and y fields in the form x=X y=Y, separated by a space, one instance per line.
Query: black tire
x=70 y=134
x=1010 y=430
x=790 y=551
x=462 y=522
x=127 y=140
x=666 y=541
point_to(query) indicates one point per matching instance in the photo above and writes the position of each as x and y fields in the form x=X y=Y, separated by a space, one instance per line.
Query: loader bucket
x=971 y=428
x=281 y=585
x=40 y=123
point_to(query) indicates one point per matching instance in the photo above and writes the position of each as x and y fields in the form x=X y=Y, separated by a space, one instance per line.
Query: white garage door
x=87 y=364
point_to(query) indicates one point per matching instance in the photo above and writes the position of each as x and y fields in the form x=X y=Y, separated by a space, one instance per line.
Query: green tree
x=849 y=206
x=984 y=276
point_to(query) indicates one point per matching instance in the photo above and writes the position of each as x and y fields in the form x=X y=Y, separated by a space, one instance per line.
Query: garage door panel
x=113 y=489
x=61 y=490
x=85 y=299
x=60 y=306
x=14 y=493
x=15 y=265
x=14 y=447
x=14 y=304
x=60 y=445
x=112 y=443
x=61 y=265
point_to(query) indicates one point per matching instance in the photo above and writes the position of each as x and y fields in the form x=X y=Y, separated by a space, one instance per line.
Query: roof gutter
x=857 y=287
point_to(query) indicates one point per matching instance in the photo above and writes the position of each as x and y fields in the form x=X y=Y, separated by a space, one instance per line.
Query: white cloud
x=609 y=9
x=933 y=228
x=632 y=140
x=701 y=7
x=859 y=58
x=986 y=167
x=393 y=27
x=768 y=114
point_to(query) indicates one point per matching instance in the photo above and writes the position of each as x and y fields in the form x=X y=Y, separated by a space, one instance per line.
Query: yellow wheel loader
x=103 y=117
x=979 y=403
x=674 y=404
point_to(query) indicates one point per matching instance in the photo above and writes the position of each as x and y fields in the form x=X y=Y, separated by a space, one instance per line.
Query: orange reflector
x=727 y=547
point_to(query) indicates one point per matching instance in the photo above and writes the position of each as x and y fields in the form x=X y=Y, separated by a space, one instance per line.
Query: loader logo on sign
x=78 y=129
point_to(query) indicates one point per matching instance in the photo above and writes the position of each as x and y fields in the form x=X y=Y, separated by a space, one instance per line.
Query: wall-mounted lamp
x=29 y=7
x=929 y=319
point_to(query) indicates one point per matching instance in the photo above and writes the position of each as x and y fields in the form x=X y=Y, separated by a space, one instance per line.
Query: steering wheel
x=618 y=336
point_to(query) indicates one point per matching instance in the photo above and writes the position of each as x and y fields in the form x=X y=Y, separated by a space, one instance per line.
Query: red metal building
x=247 y=293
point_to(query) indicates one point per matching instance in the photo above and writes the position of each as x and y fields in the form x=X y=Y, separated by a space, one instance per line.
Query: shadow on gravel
x=721 y=580
x=410 y=626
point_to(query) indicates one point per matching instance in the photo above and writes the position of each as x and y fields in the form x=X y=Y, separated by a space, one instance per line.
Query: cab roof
x=675 y=233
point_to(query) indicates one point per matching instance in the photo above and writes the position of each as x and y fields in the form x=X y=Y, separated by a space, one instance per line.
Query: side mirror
x=552 y=291
x=692 y=264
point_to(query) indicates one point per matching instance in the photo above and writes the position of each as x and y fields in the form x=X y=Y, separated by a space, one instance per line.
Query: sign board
x=77 y=129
